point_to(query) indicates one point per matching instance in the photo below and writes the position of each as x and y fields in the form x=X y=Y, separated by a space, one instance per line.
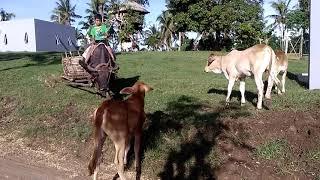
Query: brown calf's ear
x=127 y=90
x=148 y=88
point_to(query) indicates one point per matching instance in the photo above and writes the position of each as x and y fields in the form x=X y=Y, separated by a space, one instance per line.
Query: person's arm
x=106 y=31
x=91 y=35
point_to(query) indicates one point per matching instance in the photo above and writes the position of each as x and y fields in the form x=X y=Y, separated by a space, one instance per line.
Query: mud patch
x=7 y=106
x=272 y=144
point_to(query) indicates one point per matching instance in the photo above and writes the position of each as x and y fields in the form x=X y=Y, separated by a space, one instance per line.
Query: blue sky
x=41 y=9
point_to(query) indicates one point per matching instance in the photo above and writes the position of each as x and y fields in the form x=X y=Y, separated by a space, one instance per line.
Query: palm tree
x=152 y=37
x=64 y=13
x=95 y=7
x=167 y=28
x=280 y=17
x=101 y=7
x=5 y=16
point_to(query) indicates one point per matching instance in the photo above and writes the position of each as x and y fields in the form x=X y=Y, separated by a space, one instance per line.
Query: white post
x=314 y=61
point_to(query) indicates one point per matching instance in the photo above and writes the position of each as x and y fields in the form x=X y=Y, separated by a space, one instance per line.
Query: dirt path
x=17 y=169
x=19 y=161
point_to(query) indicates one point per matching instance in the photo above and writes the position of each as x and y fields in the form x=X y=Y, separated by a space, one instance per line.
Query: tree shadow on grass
x=298 y=78
x=201 y=123
x=115 y=86
x=37 y=59
x=118 y=84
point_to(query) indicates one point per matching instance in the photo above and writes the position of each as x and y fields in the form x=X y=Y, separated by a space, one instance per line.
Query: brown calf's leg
x=116 y=160
x=120 y=165
x=126 y=151
x=96 y=157
x=137 y=147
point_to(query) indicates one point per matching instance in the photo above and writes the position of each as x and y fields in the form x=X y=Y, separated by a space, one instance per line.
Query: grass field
x=185 y=110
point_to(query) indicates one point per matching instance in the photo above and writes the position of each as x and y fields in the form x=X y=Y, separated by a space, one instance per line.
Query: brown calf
x=120 y=120
x=281 y=66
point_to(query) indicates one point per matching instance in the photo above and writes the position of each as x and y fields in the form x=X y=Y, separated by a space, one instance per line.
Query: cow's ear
x=210 y=60
x=127 y=90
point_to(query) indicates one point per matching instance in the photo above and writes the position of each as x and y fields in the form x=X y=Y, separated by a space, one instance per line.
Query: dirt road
x=13 y=169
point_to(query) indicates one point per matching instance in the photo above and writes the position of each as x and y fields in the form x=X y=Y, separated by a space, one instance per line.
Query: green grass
x=314 y=155
x=183 y=110
x=273 y=150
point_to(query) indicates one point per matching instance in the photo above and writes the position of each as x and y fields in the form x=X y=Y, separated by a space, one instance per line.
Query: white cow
x=237 y=65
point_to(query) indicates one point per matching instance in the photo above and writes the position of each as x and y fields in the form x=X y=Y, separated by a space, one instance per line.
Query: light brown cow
x=281 y=67
x=120 y=120
x=237 y=65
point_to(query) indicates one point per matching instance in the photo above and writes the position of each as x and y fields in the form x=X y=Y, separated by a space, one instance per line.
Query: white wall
x=46 y=33
x=314 y=65
x=15 y=31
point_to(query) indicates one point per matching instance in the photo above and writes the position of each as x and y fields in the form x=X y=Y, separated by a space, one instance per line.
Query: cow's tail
x=272 y=67
x=99 y=137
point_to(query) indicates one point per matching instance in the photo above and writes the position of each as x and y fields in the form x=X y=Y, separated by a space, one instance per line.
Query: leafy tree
x=223 y=23
x=5 y=16
x=280 y=18
x=132 y=23
x=64 y=12
x=300 y=16
x=153 y=37
x=96 y=7
x=299 y=19
x=167 y=28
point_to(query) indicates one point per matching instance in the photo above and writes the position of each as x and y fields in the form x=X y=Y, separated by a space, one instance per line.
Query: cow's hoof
x=242 y=104
x=227 y=104
x=268 y=97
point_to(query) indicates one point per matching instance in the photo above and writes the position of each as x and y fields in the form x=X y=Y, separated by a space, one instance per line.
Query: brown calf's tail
x=99 y=137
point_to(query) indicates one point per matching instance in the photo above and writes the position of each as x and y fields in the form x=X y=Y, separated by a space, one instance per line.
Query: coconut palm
x=166 y=28
x=281 y=8
x=96 y=7
x=5 y=16
x=152 y=37
x=64 y=12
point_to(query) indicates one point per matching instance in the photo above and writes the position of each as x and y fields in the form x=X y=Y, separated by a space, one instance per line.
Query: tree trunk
x=301 y=44
x=286 y=38
x=180 y=39
x=59 y=18
x=101 y=11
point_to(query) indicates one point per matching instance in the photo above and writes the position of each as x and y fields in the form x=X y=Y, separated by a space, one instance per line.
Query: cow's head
x=213 y=64
x=103 y=76
x=138 y=88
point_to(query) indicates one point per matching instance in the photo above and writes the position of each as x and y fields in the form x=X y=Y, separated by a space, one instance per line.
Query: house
x=34 y=35
x=117 y=19
x=129 y=5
